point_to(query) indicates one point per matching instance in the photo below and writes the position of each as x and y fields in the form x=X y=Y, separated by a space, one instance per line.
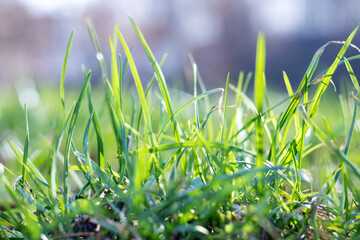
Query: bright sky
x=49 y=6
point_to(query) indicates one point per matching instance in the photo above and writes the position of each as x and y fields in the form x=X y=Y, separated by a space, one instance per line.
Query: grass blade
x=58 y=137
x=160 y=78
x=352 y=128
x=352 y=74
x=259 y=91
x=74 y=117
x=137 y=83
x=235 y=120
x=224 y=127
x=86 y=143
x=148 y=90
x=291 y=94
x=196 y=105
x=115 y=79
x=326 y=80
x=303 y=87
x=96 y=123
x=26 y=146
x=96 y=44
x=62 y=79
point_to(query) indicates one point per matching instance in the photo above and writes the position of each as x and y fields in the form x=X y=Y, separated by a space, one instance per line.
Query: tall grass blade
x=115 y=79
x=96 y=44
x=74 y=117
x=159 y=76
x=210 y=129
x=62 y=79
x=352 y=128
x=259 y=91
x=96 y=123
x=26 y=146
x=86 y=143
x=148 y=90
x=196 y=105
x=291 y=94
x=247 y=81
x=224 y=134
x=54 y=154
x=137 y=83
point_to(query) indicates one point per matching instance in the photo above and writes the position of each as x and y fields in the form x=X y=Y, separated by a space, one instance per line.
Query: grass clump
x=235 y=169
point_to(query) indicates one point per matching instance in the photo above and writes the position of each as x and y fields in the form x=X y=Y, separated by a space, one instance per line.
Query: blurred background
x=221 y=35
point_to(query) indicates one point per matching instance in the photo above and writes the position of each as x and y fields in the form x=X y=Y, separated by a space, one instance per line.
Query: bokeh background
x=220 y=34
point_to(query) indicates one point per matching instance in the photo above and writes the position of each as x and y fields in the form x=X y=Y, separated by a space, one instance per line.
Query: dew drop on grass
x=201 y=229
x=99 y=56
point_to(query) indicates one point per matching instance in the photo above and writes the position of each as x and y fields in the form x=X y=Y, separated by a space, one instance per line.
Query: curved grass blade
x=62 y=79
x=159 y=76
x=325 y=82
x=303 y=87
x=181 y=109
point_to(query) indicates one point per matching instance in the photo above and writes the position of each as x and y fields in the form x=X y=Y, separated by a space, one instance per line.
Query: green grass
x=128 y=163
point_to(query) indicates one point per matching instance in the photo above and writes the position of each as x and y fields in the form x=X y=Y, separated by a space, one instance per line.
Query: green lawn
x=121 y=162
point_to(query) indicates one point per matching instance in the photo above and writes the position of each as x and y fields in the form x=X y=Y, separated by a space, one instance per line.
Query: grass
x=135 y=167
